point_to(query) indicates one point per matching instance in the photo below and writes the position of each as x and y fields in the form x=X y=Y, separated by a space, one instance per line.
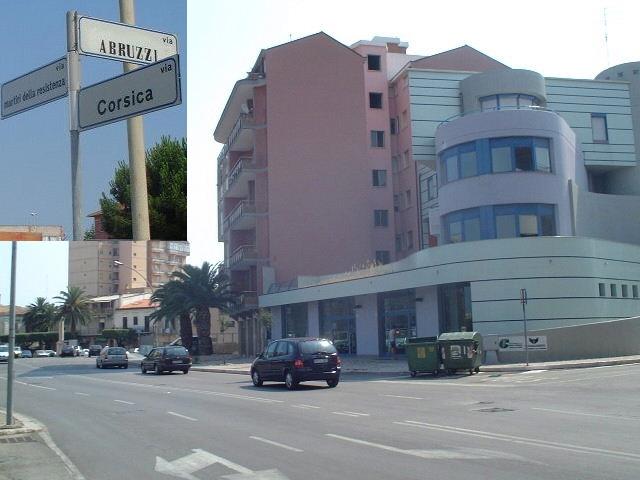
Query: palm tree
x=41 y=316
x=202 y=288
x=172 y=303
x=74 y=307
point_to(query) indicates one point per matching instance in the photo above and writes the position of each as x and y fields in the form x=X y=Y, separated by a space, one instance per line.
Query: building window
x=508 y=101
x=381 y=218
x=373 y=62
x=601 y=290
x=382 y=257
x=625 y=291
x=394 y=164
x=634 y=291
x=409 y=239
x=135 y=320
x=520 y=154
x=463 y=226
x=393 y=126
x=599 y=128
x=398 y=243
x=524 y=220
x=125 y=322
x=396 y=203
x=407 y=195
x=379 y=178
x=377 y=138
x=375 y=100
x=147 y=322
x=432 y=187
x=614 y=290
x=295 y=321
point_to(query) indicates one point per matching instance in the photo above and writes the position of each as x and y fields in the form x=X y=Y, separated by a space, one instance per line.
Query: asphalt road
x=562 y=424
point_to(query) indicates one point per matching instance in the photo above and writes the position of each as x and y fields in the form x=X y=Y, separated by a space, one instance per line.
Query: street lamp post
x=118 y=263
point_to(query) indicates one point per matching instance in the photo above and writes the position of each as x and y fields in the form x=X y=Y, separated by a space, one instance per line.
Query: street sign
x=35 y=88
x=125 y=43
x=140 y=91
x=523 y=296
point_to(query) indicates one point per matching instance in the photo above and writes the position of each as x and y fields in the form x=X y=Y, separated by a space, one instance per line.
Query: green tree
x=172 y=303
x=40 y=317
x=167 y=191
x=198 y=289
x=74 y=308
x=90 y=234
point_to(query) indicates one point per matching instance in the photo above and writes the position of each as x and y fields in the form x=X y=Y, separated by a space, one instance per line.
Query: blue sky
x=34 y=145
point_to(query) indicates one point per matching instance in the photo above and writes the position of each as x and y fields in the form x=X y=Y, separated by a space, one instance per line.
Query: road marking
x=124 y=401
x=533 y=371
x=80 y=393
x=522 y=440
x=281 y=445
x=37 y=386
x=351 y=414
x=403 y=396
x=72 y=469
x=358 y=414
x=565 y=412
x=463 y=453
x=438 y=383
x=303 y=406
x=183 y=416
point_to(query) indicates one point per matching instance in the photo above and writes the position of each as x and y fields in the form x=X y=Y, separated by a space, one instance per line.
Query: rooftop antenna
x=606 y=38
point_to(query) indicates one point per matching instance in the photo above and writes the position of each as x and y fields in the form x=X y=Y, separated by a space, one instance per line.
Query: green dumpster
x=461 y=351
x=422 y=355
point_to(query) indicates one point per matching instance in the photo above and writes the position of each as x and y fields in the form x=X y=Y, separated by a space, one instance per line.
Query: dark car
x=94 y=350
x=295 y=360
x=27 y=354
x=167 y=359
x=67 y=351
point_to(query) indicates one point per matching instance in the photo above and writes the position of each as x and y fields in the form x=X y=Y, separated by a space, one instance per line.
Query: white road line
x=565 y=412
x=522 y=440
x=124 y=401
x=82 y=394
x=437 y=383
x=305 y=407
x=358 y=413
x=37 y=386
x=71 y=468
x=281 y=445
x=533 y=371
x=345 y=414
x=403 y=396
x=183 y=416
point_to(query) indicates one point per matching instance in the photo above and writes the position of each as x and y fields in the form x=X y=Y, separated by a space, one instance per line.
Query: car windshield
x=117 y=351
x=176 y=351
x=4 y=349
x=317 y=346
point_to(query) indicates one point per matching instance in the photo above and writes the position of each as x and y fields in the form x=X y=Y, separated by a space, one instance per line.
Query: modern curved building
x=480 y=180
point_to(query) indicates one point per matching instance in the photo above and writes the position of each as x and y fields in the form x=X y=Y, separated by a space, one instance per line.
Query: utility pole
x=12 y=333
x=523 y=301
x=73 y=82
x=137 y=166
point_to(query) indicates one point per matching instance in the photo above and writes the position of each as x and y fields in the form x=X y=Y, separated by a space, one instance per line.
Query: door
x=264 y=365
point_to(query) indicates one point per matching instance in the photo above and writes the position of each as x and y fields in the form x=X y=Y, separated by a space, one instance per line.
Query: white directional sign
x=122 y=42
x=35 y=88
x=141 y=91
x=515 y=343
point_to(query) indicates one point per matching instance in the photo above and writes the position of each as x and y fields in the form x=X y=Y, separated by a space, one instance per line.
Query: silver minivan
x=112 y=357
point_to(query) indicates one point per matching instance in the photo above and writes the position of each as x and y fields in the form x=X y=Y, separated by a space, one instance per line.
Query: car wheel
x=125 y=366
x=333 y=382
x=97 y=365
x=413 y=373
x=436 y=373
x=477 y=369
x=158 y=370
x=256 y=379
x=143 y=370
x=185 y=371
x=289 y=381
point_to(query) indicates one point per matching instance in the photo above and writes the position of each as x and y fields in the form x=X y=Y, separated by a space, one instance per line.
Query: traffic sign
x=122 y=42
x=140 y=91
x=35 y=88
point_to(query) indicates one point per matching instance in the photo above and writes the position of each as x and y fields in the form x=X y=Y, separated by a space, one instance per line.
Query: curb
x=24 y=425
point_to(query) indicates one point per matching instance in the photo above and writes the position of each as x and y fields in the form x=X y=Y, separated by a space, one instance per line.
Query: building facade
x=32 y=233
x=114 y=267
x=438 y=166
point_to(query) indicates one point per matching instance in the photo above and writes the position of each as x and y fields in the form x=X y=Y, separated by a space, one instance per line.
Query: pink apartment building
x=317 y=175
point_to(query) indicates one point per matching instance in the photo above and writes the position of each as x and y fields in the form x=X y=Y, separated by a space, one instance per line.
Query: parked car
x=85 y=352
x=51 y=353
x=27 y=354
x=112 y=357
x=295 y=360
x=41 y=353
x=167 y=359
x=4 y=353
x=67 y=351
x=17 y=352
x=94 y=350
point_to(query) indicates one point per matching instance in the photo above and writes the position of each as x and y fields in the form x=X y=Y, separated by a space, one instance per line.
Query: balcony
x=242 y=258
x=242 y=92
x=248 y=301
x=242 y=217
x=236 y=183
x=241 y=136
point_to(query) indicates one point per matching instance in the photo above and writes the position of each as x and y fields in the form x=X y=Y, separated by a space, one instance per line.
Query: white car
x=85 y=352
x=4 y=353
x=17 y=352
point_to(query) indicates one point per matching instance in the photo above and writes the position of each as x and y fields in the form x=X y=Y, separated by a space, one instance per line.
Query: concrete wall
x=367 y=325
x=605 y=339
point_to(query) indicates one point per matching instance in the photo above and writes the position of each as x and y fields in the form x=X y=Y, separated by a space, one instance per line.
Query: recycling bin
x=461 y=351
x=422 y=355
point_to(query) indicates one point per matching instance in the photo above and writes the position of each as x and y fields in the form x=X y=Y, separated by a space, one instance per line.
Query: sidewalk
x=27 y=452
x=376 y=365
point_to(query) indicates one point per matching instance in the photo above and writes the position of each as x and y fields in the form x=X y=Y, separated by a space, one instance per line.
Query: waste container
x=422 y=355
x=461 y=351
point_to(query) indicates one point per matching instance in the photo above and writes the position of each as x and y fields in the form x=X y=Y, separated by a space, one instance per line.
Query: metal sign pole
x=12 y=333
x=137 y=164
x=73 y=82
x=523 y=300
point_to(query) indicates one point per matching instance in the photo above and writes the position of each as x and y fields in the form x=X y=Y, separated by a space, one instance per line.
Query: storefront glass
x=397 y=319
x=455 y=308
x=338 y=323
x=295 y=321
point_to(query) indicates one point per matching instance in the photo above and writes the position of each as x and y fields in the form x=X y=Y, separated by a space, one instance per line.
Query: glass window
x=373 y=62
x=295 y=320
x=379 y=178
x=634 y=290
x=410 y=239
x=526 y=101
x=614 y=290
x=599 y=128
x=271 y=350
x=543 y=162
x=471 y=229
x=508 y=101
x=528 y=225
x=432 y=187
x=383 y=257
x=505 y=226
x=524 y=158
x=393 y=126
x=381 y=218
x=489 y=103
x=547 y=223
x=601 y=290
x=377 y=138
x=455 y=232
x=375 y=100
x=282 y=349
x=317 y=346
x=397 y=320
x=501 y=159
x=398 y=243
x=451 y=166
x=625 y=291
x=468 y=164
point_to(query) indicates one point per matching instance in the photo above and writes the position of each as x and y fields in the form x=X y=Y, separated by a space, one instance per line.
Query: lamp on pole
x=118 y=263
